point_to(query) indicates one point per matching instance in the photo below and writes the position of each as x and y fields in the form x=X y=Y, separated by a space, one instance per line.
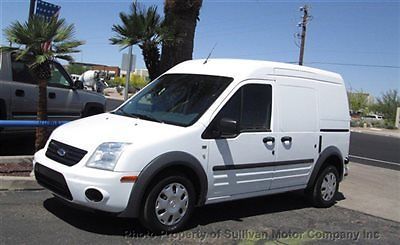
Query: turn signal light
x=127 y=179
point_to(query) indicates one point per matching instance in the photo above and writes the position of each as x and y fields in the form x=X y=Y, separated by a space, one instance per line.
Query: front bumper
x=71 y=183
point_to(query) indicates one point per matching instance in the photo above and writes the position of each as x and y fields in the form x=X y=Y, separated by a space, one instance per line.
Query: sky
x=358 y=39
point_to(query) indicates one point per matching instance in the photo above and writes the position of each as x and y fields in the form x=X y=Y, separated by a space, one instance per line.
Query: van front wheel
x=325 y=188
x=168 y=204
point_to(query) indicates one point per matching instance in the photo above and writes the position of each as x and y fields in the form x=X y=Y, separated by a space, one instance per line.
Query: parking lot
x=286 y=219
x=36 y=217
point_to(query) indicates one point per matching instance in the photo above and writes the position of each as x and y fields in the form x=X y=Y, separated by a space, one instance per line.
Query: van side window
x=21 y=73
x=250 y=107
x=256 y=107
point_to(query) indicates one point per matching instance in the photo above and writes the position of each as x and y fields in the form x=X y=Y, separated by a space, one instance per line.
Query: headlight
x=106 y=155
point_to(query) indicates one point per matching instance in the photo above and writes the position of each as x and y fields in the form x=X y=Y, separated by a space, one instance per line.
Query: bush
x=136 y=81
x=387 y=105
x=355 y=123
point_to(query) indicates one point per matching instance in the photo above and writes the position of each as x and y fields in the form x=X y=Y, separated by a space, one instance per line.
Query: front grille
x=52 y=180
x=64 y=154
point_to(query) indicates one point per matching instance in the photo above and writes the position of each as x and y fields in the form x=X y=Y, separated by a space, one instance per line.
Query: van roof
x=256 y=69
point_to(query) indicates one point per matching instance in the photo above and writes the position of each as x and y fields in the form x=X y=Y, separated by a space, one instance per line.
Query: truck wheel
x=323 y=194
x=91 y=111
x=168 y=204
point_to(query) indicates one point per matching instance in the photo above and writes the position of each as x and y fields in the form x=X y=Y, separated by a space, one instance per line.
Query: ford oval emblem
x=61 y=152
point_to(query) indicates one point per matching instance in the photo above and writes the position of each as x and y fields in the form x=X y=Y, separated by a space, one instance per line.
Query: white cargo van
x=205 y=133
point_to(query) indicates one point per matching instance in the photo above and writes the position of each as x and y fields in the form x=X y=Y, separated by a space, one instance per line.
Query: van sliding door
x=297 y=136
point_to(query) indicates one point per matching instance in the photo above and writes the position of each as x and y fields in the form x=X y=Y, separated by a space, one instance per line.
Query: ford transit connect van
x=205 y=132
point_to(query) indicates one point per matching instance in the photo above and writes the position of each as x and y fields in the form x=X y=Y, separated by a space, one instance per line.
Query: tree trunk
x=181 y=18
x=41 y=132
x=151 y=57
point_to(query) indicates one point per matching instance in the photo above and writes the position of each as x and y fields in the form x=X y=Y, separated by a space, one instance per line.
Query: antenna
x=210 y=53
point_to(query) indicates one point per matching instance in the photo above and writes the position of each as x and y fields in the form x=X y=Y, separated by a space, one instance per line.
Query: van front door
x=241 y=154
x=297 y=136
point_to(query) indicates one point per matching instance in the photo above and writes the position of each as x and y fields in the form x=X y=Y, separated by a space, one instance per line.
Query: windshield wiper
x=140 y=116
x=124 y=113
x=147 y=117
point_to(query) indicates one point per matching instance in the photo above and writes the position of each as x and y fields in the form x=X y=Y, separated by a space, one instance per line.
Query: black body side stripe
x=320 y=144
x=260 y=165
x=333 y=130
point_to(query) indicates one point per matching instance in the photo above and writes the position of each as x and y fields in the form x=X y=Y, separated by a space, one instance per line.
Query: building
x=140 y=72
x=113 y=71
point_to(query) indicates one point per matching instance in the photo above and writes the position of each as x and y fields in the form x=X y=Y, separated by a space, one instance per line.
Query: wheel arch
x=89 y=106
x=172 y=161
x=330 y=156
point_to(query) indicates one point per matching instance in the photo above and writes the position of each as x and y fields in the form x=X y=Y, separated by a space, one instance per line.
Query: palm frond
x=31 y=35
x=138 y=26
x=65 y=57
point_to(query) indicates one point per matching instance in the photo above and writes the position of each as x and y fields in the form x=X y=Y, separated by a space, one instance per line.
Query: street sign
x=125 y=62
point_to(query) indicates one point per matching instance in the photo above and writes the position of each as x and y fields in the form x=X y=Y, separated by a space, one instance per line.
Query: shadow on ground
x=18 y=144
x=101 y=223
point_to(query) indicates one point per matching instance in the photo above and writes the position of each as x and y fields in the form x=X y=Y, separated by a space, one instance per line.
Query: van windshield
x=178 y=99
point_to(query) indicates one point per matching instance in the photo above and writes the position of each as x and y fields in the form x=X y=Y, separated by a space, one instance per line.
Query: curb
x=376 y=132
x=16 y=159
x=13 y=183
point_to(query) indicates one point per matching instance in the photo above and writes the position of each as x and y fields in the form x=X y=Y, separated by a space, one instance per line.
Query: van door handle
x=286 y=138
x=19 y=93
x=269 y=139
x=52 y=95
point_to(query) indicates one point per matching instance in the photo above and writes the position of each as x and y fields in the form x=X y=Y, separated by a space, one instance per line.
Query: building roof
x=91 y=64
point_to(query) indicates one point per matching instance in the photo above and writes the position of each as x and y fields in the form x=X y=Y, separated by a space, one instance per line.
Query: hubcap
x=328 y=187
x=171 y=204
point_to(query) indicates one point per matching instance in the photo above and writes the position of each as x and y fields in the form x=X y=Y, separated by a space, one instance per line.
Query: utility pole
x=31 y=8
x=303 y=26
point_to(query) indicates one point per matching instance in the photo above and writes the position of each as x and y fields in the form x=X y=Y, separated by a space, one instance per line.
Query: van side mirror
x=78 y=84
x=228 y=127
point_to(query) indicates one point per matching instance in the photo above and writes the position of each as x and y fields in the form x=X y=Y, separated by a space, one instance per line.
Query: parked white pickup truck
x=19 y=94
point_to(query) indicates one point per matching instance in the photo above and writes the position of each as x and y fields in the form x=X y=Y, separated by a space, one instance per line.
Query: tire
x=324 y=192
x=178 y=195
x=91 y=111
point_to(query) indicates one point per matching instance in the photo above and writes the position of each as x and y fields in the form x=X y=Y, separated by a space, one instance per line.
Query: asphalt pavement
x=376 y=150
x=36 y=217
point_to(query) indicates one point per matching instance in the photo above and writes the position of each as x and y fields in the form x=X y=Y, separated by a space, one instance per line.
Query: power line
x=352 y=64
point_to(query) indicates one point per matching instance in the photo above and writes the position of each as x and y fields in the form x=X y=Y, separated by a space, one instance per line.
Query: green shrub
x=136 y=81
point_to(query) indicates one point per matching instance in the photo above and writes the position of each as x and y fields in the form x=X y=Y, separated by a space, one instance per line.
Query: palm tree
x=40 y=42
x=181 y=18
x=141 y=27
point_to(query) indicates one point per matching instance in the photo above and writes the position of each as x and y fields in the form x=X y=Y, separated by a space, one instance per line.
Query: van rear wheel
x=323 y=194
x=168 y=204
